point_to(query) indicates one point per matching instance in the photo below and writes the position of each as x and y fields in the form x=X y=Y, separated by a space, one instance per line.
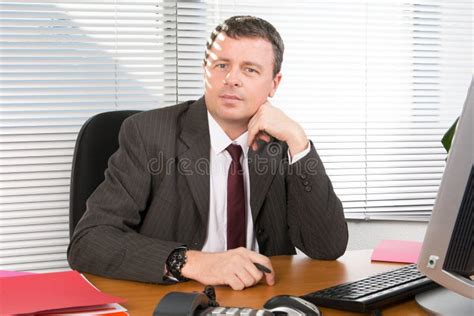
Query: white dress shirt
x=220 y=161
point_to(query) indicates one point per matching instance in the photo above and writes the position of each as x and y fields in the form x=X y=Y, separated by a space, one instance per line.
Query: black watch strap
x=176 y=261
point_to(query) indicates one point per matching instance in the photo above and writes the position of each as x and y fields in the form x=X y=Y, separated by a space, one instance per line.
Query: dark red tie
x=235 y=201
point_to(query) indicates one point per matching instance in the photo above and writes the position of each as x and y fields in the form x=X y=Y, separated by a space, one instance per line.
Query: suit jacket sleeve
x=106 y=241
x=315 y=214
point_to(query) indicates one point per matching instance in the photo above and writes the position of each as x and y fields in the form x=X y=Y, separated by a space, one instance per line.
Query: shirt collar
x=219 y=139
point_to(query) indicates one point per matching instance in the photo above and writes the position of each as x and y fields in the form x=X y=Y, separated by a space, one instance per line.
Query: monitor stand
x=441 y=301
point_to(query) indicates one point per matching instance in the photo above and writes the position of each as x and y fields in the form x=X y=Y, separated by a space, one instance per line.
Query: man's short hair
x=250 y=26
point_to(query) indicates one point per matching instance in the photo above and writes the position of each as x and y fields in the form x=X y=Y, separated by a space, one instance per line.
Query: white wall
x=366 y=235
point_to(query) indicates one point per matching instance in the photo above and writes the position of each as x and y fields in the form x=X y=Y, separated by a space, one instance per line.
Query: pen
x=262 y=268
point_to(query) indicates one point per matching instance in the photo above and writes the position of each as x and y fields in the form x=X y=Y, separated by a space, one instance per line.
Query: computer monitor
x=447 y=255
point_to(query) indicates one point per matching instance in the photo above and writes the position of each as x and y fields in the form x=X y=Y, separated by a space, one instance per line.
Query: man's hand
x=270 y=120
x=234 y=267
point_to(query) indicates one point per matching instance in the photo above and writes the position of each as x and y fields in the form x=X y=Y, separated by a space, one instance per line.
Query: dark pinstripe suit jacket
x=155 y=197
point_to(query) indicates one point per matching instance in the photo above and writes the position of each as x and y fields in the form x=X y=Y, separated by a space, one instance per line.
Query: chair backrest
x=96 y=142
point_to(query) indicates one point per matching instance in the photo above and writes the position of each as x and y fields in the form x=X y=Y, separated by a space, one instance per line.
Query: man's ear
x=205 y=71
x=275 y=83
x=204 y=64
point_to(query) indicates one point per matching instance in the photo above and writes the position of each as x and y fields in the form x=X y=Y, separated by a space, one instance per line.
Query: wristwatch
x=176 y=261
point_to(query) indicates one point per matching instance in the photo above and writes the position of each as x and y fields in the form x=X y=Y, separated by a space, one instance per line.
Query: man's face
x=238 y=79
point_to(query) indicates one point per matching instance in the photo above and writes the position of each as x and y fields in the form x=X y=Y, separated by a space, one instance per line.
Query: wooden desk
x=296 y=275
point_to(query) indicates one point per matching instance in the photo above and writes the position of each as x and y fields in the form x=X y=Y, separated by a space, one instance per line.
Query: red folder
x=48 y=291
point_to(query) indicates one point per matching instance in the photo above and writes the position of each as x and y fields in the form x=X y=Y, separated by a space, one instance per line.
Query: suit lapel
x=193 y=160
x=264 y=164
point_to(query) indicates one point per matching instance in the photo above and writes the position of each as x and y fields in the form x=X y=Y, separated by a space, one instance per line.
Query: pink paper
x=397 y=251
x=33 y=293
x=4 y=273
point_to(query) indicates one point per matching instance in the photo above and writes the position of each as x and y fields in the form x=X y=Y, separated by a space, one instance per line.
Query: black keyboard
x=373 y=292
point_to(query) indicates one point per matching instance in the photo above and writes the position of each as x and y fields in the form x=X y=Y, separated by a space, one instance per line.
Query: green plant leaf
x=448 y=137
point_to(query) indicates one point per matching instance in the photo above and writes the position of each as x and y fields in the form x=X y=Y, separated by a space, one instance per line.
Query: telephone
x=205 y=304
x=198 y=304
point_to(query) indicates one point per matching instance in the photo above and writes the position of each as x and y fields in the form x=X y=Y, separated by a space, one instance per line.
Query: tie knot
x=235 y=151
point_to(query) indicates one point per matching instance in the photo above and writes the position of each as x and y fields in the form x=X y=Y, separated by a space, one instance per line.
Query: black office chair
x=96 y=142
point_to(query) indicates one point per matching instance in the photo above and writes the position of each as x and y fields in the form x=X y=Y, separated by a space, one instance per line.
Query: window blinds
x=374 y=83
x=61 y=63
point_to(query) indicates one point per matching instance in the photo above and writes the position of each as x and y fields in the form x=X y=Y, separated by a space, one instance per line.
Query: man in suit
x=205 y=189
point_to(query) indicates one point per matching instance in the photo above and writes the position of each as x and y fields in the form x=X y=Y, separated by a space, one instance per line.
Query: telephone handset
x=198 y=304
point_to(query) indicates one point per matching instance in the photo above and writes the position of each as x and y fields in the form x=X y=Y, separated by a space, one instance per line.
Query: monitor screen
x=447 y=253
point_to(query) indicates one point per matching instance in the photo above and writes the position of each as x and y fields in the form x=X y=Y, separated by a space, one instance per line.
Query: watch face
x=176 y=261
